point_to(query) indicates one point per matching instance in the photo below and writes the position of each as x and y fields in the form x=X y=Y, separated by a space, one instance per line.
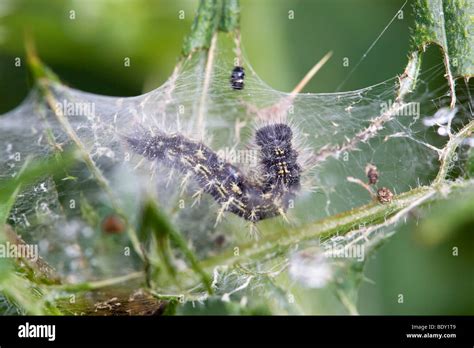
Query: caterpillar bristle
x=197 y=197
x=253 y=231
x=253 y=200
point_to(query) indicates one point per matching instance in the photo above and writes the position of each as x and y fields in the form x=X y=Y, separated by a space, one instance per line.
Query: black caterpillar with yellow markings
x=253 y=201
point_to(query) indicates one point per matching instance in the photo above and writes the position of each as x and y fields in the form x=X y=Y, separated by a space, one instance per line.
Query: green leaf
x=163 y=231
x=230 y=19
x=212 y=15
x=204 y=26
x=449 y=24
x=37 y=68
x=447 y=218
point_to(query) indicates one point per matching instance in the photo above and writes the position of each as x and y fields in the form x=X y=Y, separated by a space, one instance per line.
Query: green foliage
x=164 y=240
x=447 y=218
x=215 y=306
x=163 y=232
x=212 y=16
x=449 y=24
x=204 y=26
x=230 y=18
x=21 y=281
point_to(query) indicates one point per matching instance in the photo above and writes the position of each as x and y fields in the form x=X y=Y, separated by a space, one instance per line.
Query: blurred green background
x=87 y=52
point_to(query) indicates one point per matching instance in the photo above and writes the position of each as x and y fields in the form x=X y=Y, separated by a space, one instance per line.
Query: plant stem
x=230 y=19
x=204 y=26
x=448 y=151
x=87 y=286
x=212 y=16
x=372 y=216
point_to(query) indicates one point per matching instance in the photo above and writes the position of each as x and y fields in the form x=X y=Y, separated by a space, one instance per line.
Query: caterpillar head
x=275 y=135
x=278 y=159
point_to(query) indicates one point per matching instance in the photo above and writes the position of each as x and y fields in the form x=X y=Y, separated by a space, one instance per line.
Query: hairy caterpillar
x=253 y=201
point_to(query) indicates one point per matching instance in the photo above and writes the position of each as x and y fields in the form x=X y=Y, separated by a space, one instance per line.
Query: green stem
x=230 y=19
x=88 y=286
x=44 y=78
x=212 y=16
x=204 y=26
x=371 y=215
x=152 y=219
x=341 y=224
x=448 y=151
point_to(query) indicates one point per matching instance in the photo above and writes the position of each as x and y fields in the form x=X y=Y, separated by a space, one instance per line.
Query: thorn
x=362 y=184
x=278 y=110
x=309 y=75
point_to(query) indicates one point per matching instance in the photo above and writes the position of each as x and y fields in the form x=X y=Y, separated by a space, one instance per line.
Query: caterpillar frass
x=254 y=201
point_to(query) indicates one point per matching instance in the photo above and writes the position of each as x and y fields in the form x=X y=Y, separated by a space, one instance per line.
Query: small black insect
x=237 y=78
x=252 y=200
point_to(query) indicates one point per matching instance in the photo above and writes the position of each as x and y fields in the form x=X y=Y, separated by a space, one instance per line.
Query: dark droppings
x=253 y=201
